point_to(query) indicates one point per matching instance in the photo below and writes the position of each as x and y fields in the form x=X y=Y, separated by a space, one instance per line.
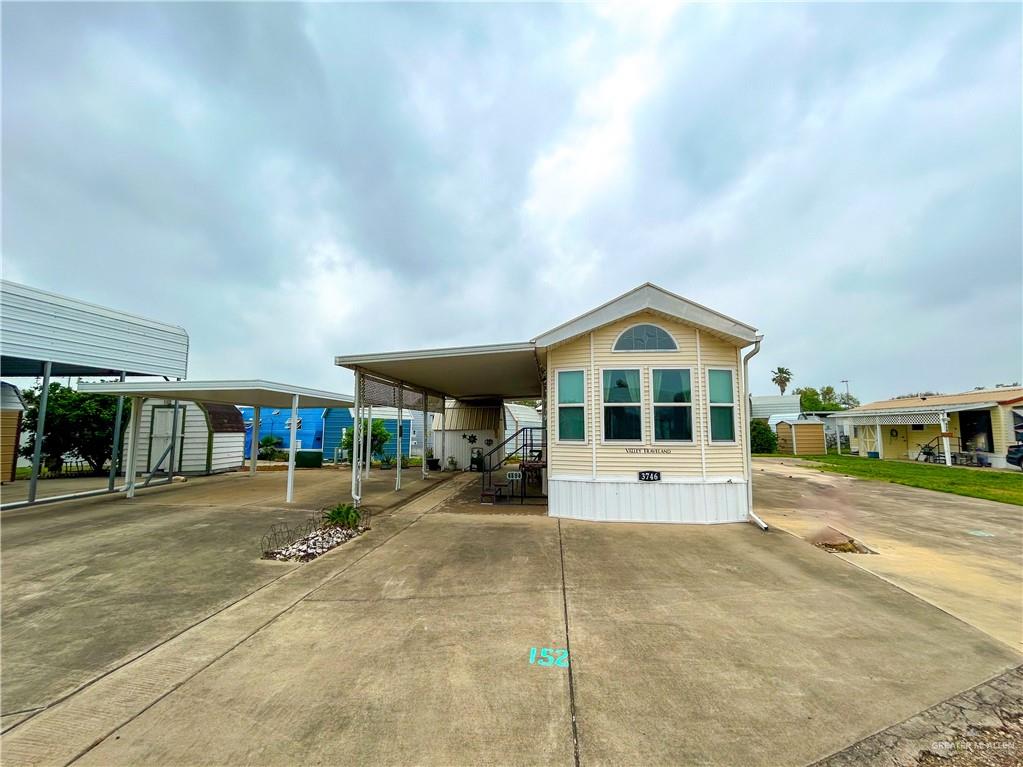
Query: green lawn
x=1003 y=486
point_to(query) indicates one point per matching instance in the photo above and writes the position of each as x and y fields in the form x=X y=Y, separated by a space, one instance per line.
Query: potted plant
x=452 y=463
x=433 y=464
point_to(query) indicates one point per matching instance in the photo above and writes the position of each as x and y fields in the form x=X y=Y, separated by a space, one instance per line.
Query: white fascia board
x=216 y=391
x=912 y=410
x=654 y=298
x=355 y=360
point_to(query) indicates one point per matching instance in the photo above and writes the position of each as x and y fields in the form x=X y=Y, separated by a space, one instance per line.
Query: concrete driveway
x=689 y=645
x=90 y=584
x=964 y=555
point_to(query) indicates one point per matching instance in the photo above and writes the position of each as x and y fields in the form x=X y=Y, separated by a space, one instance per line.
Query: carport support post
x=944 y=439
x=133 y=444
x=254 y=444
x=291 y=448
x=115 y=450
x=443 y=429
x=423 y=437
x=877 y=438
x=401 y=401
x=174 y=442
x=367 y=452
x=356 y=445
x=37 y=455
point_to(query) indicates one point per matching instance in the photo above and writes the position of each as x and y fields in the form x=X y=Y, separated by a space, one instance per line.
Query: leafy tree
x=762 y=438
x=848 y=400
x=378 y=439
x=781 y=377
x=810 y=399
x=828 y=395
x=80 y=424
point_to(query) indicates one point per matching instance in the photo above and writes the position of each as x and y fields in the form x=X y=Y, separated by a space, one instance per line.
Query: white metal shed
x=210 y=437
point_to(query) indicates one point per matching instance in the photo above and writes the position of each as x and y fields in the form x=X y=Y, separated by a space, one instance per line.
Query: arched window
x=645 y=338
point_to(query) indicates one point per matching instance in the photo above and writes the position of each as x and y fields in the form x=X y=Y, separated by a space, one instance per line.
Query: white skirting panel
x=695 y=503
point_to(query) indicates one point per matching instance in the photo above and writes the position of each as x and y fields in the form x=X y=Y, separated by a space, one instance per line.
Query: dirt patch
x=830 y=539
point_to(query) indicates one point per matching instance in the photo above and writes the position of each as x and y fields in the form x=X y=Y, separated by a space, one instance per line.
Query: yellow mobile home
x=644 y=402
x=971 y=427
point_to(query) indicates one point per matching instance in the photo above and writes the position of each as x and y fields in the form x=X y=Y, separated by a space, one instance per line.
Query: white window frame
x=734 y=405
x=640 y=405
x=615 y=350
x=654 y=404
x=558 y=405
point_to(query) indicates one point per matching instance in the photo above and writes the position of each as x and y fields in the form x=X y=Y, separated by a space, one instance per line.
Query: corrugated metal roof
x=470 y=418
x=766 y=405
x=10 y=397
x=977 y=397
x=80 y=338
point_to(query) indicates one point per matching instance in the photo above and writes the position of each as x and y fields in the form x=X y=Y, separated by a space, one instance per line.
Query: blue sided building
x=338 y=419
x=277 y=422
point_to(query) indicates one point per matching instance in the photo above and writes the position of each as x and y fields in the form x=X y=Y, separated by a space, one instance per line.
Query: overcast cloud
x=293 y=182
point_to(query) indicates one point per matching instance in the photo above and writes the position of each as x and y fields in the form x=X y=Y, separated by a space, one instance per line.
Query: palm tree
x=780 y=377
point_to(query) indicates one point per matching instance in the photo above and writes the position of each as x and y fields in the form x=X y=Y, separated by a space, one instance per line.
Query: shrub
x=378 y=439
x=762 y=438
x=268 y=447
x=342 y=515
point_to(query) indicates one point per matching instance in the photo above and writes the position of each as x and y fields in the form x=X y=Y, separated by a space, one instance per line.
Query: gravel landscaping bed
x=318 y=542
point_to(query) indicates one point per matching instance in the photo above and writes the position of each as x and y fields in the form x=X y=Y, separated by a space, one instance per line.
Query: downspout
x=749 y=447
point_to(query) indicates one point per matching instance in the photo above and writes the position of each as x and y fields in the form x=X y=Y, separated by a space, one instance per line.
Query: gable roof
x=991 y=397
x=650 y=297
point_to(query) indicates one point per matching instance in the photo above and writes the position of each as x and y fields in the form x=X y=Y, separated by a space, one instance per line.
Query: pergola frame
x=362 y=439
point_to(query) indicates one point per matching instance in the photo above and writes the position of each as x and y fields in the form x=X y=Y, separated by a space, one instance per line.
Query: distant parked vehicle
x=1015 y=454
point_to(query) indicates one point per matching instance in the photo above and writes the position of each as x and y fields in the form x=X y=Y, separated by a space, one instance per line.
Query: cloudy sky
x=292 y=182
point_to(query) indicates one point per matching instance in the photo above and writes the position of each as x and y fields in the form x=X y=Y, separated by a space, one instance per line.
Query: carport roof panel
x=464 y=372
x=80 y=338
x=261 y=393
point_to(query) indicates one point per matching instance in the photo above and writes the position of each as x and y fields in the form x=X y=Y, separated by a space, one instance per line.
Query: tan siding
x=569 y=458
x=1001 y=428
x=809 y=438
x=613 y=460
x=10 y=424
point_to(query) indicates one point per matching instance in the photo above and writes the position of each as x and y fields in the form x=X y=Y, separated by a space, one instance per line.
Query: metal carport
x=254 y=393
x=43 y=334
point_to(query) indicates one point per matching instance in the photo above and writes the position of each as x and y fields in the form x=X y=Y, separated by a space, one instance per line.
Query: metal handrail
x=528 y=446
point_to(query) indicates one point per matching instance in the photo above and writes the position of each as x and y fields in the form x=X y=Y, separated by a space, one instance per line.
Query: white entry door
x=161 y=436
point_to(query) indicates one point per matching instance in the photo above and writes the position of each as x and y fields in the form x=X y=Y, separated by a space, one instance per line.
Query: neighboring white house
x=211 y=437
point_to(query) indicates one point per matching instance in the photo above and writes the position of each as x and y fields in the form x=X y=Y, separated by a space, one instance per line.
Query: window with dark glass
x=721 y=396
x=623 y=411
x=571 y=405
x=641 y=338
x=672 y=395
